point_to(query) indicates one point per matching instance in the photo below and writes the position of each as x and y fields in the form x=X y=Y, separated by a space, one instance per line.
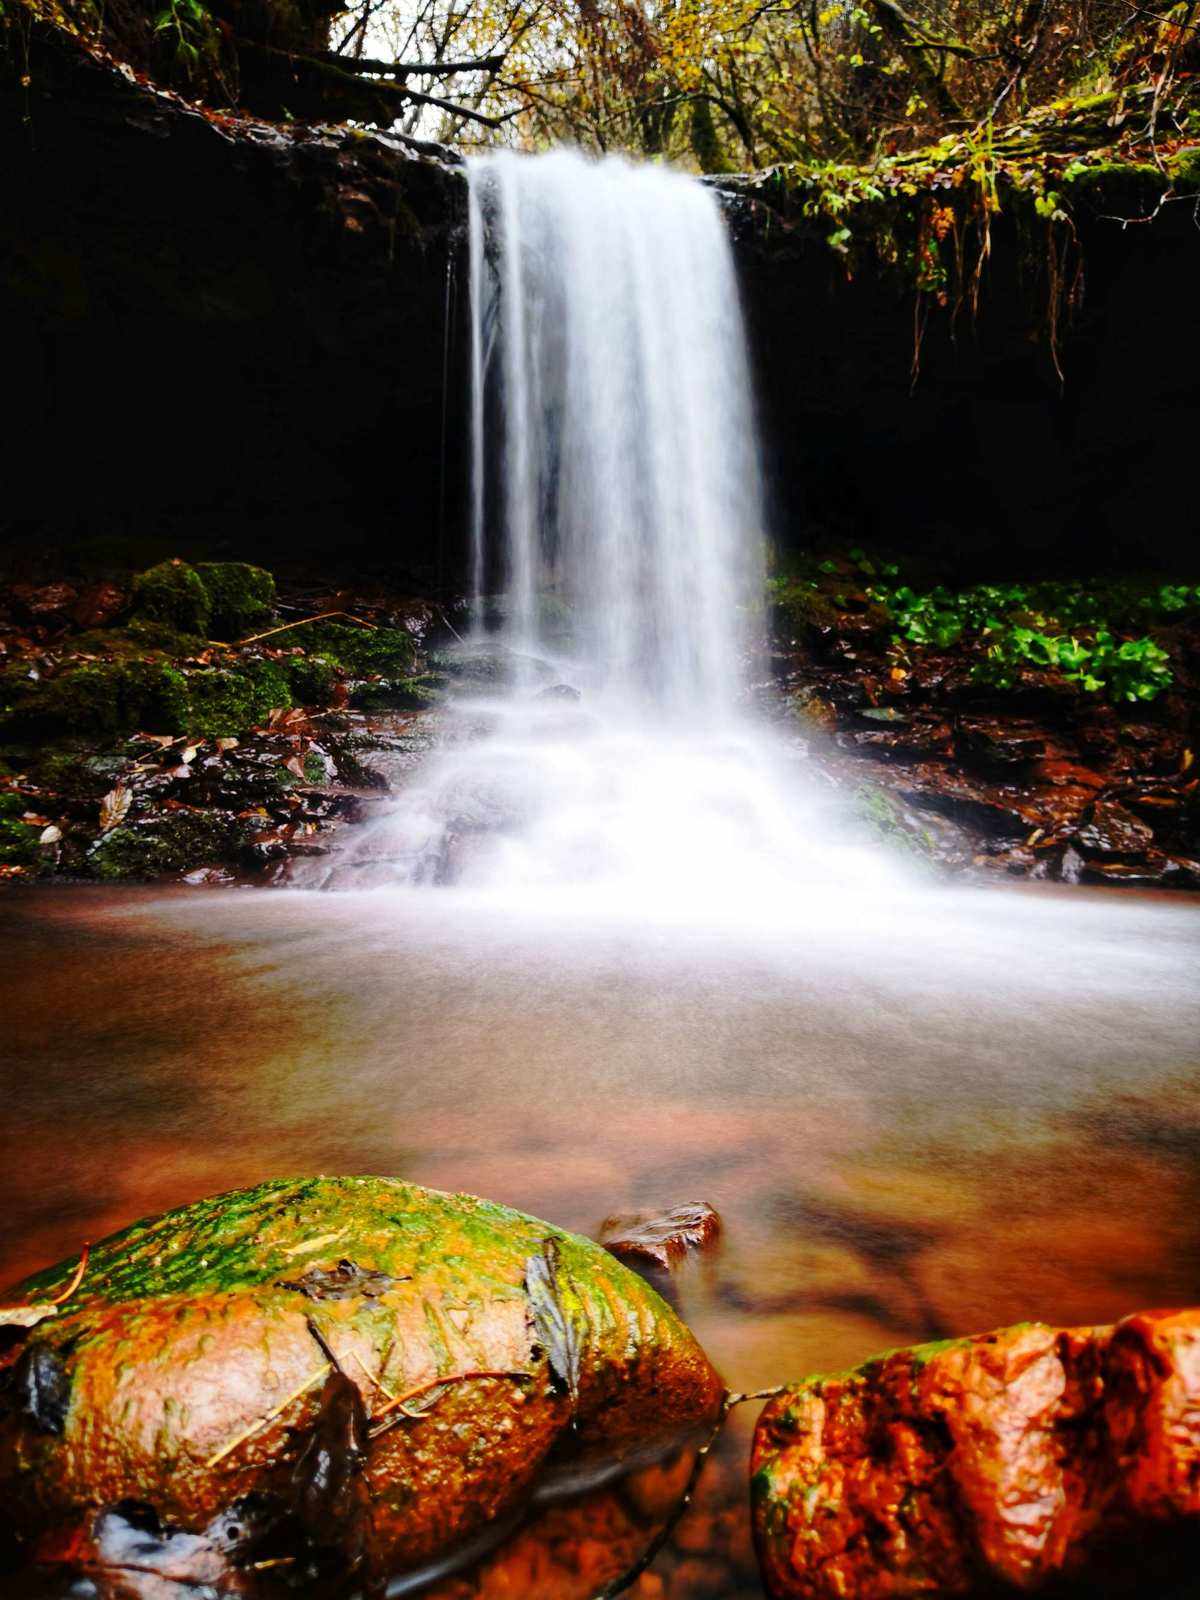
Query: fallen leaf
x=555 y=1309
x=189 y=755
x=342 y=1282
x=227 y=744
x=114 y=808
x=50 y=835
x=27 y=1316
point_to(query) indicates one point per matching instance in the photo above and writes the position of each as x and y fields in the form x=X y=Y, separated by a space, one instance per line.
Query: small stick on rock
x=301 y=621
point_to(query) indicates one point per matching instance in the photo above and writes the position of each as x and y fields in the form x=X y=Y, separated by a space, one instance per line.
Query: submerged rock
x=361 y=1374
x=1024 y=1459
x=664 y=1239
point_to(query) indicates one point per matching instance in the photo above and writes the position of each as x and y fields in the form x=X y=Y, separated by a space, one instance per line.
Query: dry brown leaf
x=114 y=808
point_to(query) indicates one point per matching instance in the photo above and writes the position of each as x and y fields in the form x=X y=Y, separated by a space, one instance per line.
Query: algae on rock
x=197 y=1342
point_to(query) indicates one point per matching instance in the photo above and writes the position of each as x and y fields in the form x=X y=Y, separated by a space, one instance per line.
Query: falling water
x=609 y=345
x=617 y=531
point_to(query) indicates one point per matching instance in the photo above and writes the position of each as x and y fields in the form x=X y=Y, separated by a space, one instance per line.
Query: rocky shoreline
x=202 y=723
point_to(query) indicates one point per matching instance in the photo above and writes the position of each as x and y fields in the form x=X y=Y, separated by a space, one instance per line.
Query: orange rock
x=187 y=1370
x=1020 y=1458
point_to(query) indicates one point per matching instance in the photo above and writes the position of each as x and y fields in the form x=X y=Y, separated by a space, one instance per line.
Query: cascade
x=600 y=738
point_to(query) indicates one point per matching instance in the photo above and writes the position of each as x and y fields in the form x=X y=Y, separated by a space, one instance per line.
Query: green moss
x=252 y=1237
x=174 y=843
x=12 y=805
x=800 y=603
x=242 y=597
x=174 y=593
x=228 y=700
x=313 y=679
x=1184 y=168
x=885 y=819
x=18 y=844
x=365 y=652
x=396 y=694
x=1123 y=187
x=95 y=697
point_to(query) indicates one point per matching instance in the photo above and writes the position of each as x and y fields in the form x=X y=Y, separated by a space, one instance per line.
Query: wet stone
x=1111 y=830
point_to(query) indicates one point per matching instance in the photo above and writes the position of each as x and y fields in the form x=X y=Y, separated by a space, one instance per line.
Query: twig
x=398 y=1402
x=377 y=1383
x=633 y=1573
x=323 y=1344
x=732 y=1400
x=76 y=1278
x=318 y=1376
x=301 y=621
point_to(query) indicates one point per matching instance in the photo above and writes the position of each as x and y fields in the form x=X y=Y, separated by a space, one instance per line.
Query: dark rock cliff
x=236 y=334
x=221 y=329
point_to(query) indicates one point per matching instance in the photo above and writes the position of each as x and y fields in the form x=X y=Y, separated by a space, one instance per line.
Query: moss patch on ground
x=149 y=749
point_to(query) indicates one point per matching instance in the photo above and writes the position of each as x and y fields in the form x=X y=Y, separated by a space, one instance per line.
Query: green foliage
x=190 y=33
x=242 y=597
x=1069 y=630
x=1127 y=669
x=174 y=593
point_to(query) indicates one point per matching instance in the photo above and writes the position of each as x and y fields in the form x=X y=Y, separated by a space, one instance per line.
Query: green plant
x=1085 y=634
x=190 y=31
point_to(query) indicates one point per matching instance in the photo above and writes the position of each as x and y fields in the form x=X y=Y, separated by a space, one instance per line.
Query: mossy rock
x=1126 y=188
x=397 y=694
x=1184 y=169
x=364 y=652
x=228 y=700
x=1028 y=1460
x=313 y=679
x=173 y=843
x=186 y=1370
x=174 y=593
x=889 y=824
x=95 y=697
x=18 y=843
x=242 y=597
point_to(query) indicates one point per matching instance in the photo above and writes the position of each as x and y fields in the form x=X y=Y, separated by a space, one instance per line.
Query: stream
x=973 y=1108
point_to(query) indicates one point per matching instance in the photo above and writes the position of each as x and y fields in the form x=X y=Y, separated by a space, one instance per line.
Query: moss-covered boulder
x=164 y=844
x=363 y=651
x=438 y=1349
x=230 y=699
x=242 y=597
x=174 y=593
x=94 y=697
x=1028 y=1460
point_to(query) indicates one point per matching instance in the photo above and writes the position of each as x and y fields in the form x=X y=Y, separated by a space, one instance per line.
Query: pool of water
x=916 y=1116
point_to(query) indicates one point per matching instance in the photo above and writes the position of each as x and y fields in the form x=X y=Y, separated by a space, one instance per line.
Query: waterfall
x=622 y=477
x=599 y=744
